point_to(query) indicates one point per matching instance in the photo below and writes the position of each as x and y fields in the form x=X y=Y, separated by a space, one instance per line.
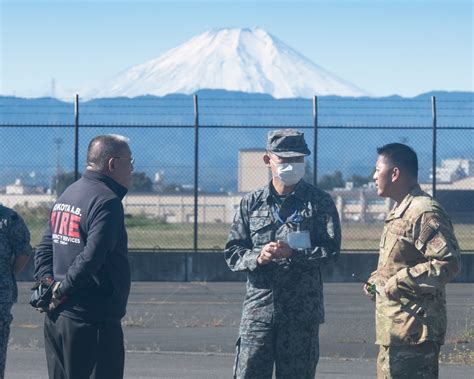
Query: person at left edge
x=84 y=254
x=15 y=249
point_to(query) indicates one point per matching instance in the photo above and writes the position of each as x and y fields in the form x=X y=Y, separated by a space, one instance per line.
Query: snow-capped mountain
x=246 y=60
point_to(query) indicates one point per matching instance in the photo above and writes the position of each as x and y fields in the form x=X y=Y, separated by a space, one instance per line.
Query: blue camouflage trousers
x=293 y=348
x=5 y=321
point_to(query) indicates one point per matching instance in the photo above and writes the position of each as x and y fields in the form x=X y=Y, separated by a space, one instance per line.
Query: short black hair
x=401 y=156
x=103 y=147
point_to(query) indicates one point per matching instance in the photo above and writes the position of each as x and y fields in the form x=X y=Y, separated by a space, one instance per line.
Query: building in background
x=252 y=172
x=18 y=188
x=354 y=204
x=452 y=170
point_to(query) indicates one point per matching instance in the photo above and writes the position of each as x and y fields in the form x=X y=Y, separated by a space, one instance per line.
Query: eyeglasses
x=132 y=160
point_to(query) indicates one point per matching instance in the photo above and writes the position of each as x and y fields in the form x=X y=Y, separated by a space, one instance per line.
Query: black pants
x=83 y=350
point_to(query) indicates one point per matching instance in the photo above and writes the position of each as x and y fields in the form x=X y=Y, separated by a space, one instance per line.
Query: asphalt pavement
x=188 y=330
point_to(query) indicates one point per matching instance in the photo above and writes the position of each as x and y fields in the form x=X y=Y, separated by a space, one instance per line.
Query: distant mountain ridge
x=162 y=135
x=248 y=60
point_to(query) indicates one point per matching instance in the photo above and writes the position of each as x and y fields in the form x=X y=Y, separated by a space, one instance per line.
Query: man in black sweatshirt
x=83 y=254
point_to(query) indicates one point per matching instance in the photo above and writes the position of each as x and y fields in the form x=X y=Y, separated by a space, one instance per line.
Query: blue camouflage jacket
x=14 y=241
x=291 y=288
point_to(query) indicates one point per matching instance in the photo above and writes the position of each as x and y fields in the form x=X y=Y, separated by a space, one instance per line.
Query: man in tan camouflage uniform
x=280 y=236
x=14 y=253
x=419 y=254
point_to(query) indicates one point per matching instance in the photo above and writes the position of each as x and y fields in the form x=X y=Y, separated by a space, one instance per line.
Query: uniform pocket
x=393 y=232
x=390 y=240
x=261 y=228
x=408 y=323
x=259 y=221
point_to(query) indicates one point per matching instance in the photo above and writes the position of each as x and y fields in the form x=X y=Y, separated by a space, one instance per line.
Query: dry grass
x=150 y=234
x=460 y=354
x=136 y=320
x=462 y=351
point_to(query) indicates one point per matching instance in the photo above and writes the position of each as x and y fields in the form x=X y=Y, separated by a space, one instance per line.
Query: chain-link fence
x=197 y=155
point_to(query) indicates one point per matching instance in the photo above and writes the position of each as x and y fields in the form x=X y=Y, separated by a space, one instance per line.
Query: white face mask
x=290 y=173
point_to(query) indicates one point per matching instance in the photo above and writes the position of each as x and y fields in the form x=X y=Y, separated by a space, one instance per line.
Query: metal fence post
x=315 y=141
x=76 y=137
x=433 y=114
x=196 y=171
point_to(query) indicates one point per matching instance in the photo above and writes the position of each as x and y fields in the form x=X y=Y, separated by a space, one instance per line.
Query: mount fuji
x=245 y=60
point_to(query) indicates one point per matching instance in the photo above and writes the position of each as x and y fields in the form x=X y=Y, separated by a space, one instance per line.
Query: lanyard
x=294 y=217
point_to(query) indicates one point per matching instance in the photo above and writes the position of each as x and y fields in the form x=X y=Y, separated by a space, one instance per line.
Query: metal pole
x=196 y=170
x=433 y=114
x=315 y=141
x=76 y=138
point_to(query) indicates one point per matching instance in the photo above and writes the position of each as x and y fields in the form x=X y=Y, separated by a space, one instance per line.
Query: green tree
x=61 y=181
x=330 y=181
x=360 y=180
x=175 y=187
x=308 y=172
x=33 y=215
x=140 y=183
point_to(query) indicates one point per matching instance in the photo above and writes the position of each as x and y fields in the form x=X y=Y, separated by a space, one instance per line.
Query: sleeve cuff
x=405 y=281
x=252 y=263
x=65 y=287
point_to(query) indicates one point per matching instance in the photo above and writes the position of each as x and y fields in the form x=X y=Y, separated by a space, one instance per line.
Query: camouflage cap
x=287 y=143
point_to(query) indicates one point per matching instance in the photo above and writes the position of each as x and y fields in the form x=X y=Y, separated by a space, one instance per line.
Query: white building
x=353 y=204
x=18 y=188
x=452 y=170
x=253 y=173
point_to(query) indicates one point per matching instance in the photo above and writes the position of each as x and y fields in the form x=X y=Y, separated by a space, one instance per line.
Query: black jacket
x=85 y=247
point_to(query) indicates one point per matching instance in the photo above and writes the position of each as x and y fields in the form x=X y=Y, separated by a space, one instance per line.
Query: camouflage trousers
x=5 y=321
x=408 y=361
x=293 y=349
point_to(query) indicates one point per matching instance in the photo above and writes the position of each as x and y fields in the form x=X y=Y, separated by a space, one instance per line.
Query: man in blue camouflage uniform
x=280 y=236
x=14 y=253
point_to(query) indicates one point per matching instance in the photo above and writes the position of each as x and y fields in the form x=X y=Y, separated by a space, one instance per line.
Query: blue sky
x=384 y=47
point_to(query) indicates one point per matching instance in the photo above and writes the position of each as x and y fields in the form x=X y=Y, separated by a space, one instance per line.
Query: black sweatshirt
x=85 y=247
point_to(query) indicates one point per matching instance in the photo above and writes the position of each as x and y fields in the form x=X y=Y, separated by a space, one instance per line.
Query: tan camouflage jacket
x=419 y=249
x=291 y=288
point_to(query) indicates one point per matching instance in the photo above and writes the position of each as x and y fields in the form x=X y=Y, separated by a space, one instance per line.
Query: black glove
x=42 y=294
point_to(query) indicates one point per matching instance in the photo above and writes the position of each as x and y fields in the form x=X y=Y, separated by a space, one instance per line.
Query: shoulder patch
x=437 y=243
x=429 y=229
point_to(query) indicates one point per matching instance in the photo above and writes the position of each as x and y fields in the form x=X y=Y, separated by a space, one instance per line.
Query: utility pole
x=58 y=142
